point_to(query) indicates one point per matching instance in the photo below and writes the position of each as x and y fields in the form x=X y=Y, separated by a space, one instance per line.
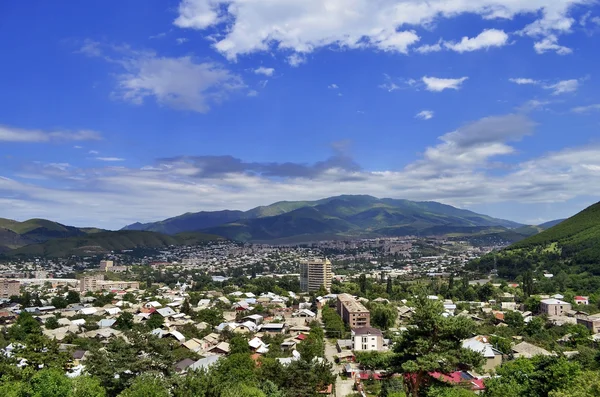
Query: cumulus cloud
x=333 y=86
x=183 y=83
x=436 y=84
x=301 y=26
x=13 y=134
x=559 y=87
x=550 y=43
x=427 y=48
x=264 y=71
x=586 y=109
x=424 y=115
x=485 y=40
x=563 y=87
x=466 y=166
x=524 y=81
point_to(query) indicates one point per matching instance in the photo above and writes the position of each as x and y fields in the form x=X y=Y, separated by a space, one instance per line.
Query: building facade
x=554 y=307
x=354 y=313
x=592 y=323
x=9 y=288
x=97 y=283
x=367 y=339
x=106 y=266
x=314 y=274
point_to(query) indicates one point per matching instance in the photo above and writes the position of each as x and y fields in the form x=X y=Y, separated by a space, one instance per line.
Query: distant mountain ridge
x=334 y=217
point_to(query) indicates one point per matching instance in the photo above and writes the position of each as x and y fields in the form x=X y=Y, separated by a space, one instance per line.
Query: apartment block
x=314 y=274
x=554 y=307
x=9 y=288
x=105 y=266
x=97 y=283
x=353 y=312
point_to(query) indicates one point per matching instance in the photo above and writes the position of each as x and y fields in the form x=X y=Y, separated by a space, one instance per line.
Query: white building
x=367 y=339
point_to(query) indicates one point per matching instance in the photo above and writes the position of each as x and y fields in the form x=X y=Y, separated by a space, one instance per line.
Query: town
x=342 y=311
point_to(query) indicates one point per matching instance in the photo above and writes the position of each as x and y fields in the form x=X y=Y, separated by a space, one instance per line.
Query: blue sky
x=122 y=111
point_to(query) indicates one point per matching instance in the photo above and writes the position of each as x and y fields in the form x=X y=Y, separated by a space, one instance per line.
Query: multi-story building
x=354 y=313
x=9 y=288
x=554 y=307
x=367 y=339
x=314 y=274
x=97 y=283
x=591 y=322
x=105 y=266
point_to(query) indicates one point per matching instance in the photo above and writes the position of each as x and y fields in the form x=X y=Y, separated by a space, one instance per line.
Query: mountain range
x=331 y=218
x=284 y=222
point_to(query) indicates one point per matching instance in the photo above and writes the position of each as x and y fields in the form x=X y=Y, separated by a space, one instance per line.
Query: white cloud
x=183 y=83
x=93 y=152
x=465 y=167
x=550 y=43
x=110 y=159
x=563 y=87
x=424 y=115
x=301 y=26
x=333 y=86
x=586 y=109
x=427 y=48
x=77 y=147
x=296 y=60
x=485 y=40
x=264 y=71
x=181 y=40
x=596 y=20
x=12 y=134
x=437 y=85
x=523 y=81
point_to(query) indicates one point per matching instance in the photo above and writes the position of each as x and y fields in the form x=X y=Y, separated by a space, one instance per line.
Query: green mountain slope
x=359 y=216
x=573 y=246
x=15 y=234
x=104 y=242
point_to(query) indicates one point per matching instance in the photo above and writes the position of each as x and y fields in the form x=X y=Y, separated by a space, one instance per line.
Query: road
x=343 y=387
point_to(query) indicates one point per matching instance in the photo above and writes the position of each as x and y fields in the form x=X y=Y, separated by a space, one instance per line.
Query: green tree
x=86 y=386
x=362 y=283
x=313 y=346
x=383 y=316
x=389 y=287
x=73 y=297
x=24 y=326
x=155 y=321
x=514 y=319
x=532 y=304
x=186 y=308
x=52 y=323
x=49 y=383
x=59 y=302
x=432 y=345
x=586 y=384
x=124 y=321
x=528 y=283
x=445 y=391
x=146 y=386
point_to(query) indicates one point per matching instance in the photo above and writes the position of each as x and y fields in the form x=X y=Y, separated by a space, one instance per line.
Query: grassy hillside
x=572 y=246
x=15 y=234
x=337 y=217
x=104 y=242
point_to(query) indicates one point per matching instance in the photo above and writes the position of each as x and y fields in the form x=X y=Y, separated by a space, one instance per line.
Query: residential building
x=367 y=339
x=106 y=265
x=97 y=283
x=554 y=307
x=353 y=312
x=528 y=350
x=9 y=288
x=591 y=322
x=481 y=344
x=582 y=300
x=314 y=274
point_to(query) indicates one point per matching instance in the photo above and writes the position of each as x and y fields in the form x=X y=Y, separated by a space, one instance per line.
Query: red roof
x=459 y=377
x=581 y=298
x=327 y=390
x=301 y=337
x=363 y=375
